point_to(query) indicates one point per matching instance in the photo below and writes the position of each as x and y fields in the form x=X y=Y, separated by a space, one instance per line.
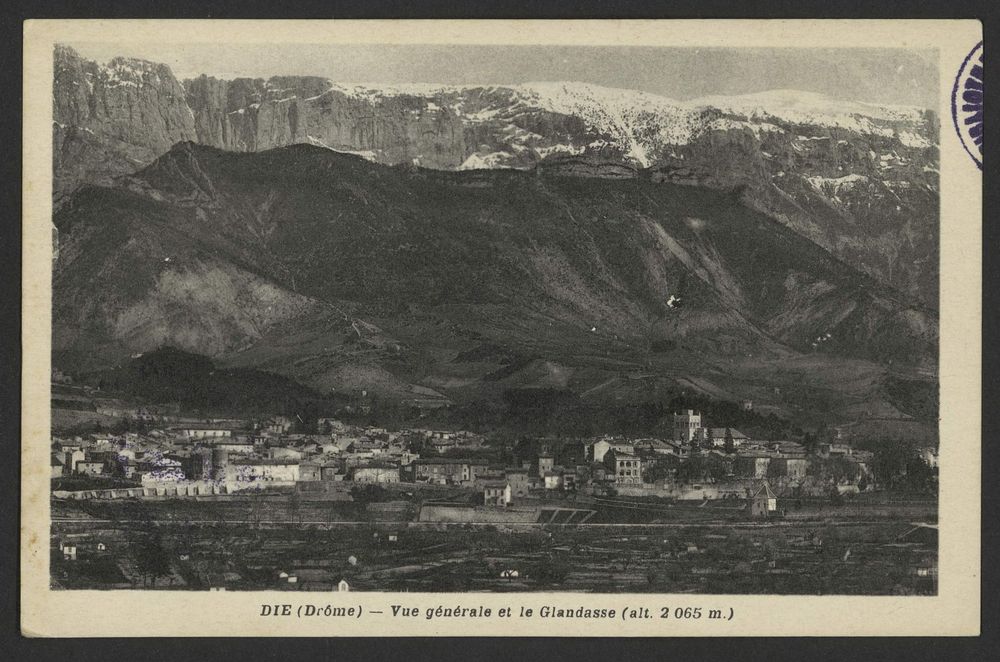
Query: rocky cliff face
x=254 y=114
x=112 y=119
x=858 y=180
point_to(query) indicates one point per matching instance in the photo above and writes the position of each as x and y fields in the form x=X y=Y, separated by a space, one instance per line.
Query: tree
x=368 y=493
x=553 y=570
x=730 y=445
x=151 y=559
x=919 y=475
x=892 y=460
x=655 y=471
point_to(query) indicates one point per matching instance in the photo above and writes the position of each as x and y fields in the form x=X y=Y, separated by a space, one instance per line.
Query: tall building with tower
x=686 y=425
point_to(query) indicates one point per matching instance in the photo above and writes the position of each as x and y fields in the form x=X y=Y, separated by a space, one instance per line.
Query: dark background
x=811 y=649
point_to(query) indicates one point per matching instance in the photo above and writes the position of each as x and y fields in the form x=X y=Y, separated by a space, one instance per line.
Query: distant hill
x=198 y=385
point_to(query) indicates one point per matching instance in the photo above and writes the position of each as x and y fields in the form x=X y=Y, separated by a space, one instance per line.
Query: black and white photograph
x=424 y=318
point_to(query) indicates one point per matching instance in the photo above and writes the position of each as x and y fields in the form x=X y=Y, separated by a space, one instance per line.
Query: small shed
x=761 y=501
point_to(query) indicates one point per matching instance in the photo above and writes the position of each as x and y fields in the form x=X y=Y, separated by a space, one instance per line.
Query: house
x=752 y=465
x=283 y=453
x=786 y=448
x=655 y=446
x=276 y=425
x=406 y=458
x=545 y=464
x=244 y=470
x=202 y=431
x=761 y=501
x=518 y=481
x=440 y=445
x=834 y=450
x=331 y=472
x=929 y=455
x=926 y=571
x=90 y=468
x=716 y=437
x=863 y=461
x=59 y=377
x=489 y=474
x=627 y=467
x=310 y=471
x=376 y=474
x=69 y=456
x=65 y=446
x=497 y=493
x=238 y=445
x=327 y=425
x=68 y=551
x=792 y=467
x=330 y=448
x=569 y=481
x=447 y=470
x=596 y=451
x=553 y=480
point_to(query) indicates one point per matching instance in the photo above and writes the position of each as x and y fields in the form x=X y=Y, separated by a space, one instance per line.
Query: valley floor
x=242 y=544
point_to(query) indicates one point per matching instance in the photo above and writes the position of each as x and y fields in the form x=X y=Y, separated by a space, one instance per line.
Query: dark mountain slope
x=386 y=274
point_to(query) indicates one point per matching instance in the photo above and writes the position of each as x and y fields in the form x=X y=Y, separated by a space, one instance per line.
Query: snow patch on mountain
x=570 y=150
x=833 y=186
x=641 y=124
x=488 y=161
x=789 y=104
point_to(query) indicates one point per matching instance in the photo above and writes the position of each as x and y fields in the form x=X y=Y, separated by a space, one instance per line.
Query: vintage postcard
x=619 y=328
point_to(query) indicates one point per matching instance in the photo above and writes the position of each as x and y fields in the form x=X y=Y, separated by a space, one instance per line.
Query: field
x=250 y=543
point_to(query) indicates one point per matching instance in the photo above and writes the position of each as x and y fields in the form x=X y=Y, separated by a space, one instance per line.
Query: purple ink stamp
x=967 y=104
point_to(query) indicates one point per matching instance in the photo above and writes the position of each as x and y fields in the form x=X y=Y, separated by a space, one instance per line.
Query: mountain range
x=444 y=243
x=858 y=179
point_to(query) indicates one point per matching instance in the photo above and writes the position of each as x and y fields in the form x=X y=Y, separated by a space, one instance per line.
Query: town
x=410 y=505
x=696 y=462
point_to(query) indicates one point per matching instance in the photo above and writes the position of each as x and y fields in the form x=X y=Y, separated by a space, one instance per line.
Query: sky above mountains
x=882 y=76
